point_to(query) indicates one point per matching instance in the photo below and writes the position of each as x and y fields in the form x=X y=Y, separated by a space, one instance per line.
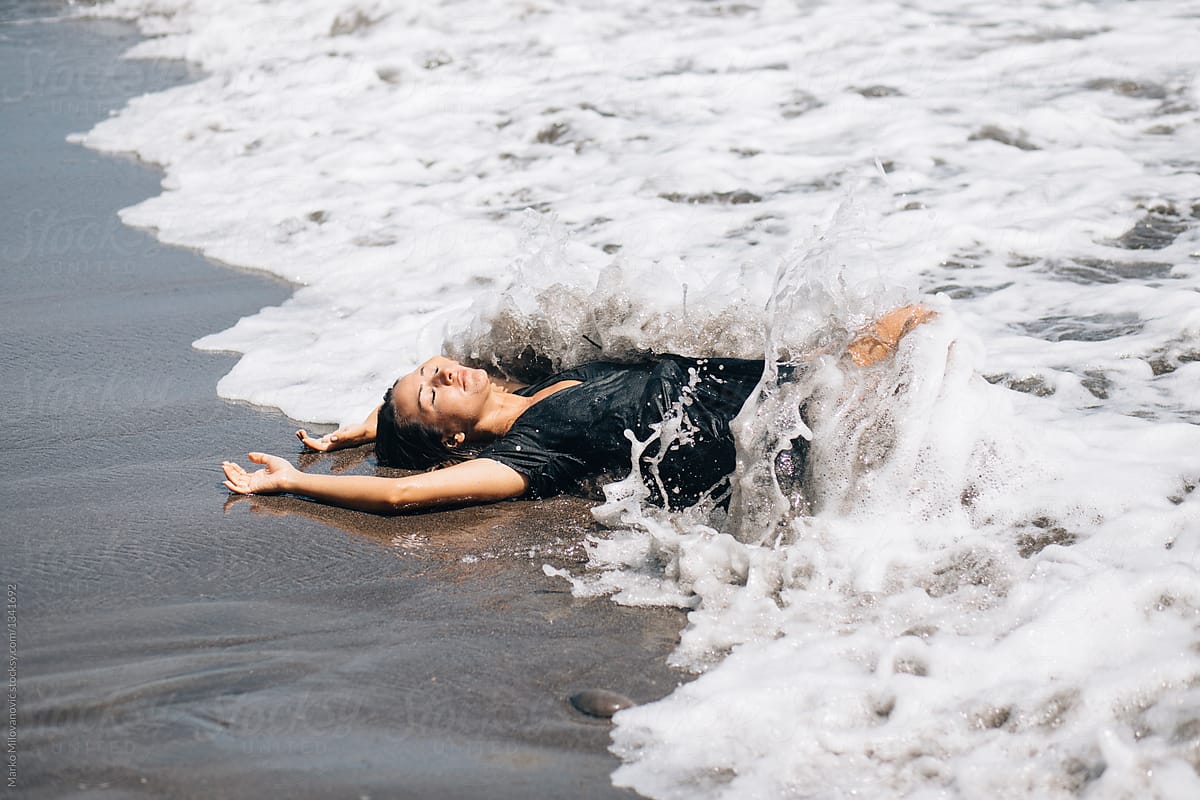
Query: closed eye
x=432 y=391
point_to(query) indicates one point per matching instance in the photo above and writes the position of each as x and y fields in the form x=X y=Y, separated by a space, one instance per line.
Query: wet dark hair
x=407 y=444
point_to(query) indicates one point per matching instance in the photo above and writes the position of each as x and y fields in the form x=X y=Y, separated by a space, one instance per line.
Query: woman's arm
x=348 y=436
x=477 y=481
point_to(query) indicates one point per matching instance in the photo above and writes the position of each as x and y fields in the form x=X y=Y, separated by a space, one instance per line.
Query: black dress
x=579 y=432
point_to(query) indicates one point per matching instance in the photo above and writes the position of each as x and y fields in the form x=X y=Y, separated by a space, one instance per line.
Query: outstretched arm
x=347 y=436
x=477 y=481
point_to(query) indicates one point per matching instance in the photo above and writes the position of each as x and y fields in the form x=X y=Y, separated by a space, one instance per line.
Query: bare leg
x=881 y=338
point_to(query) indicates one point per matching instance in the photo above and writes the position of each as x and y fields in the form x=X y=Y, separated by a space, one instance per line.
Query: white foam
x=990 y=593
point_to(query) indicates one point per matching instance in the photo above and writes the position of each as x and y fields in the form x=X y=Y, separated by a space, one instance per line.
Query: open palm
x=272 y=478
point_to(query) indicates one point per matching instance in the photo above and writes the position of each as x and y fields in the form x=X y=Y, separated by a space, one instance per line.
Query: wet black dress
x=579 y=432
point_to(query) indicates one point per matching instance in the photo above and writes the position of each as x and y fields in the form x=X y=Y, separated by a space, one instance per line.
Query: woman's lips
x=467 y=379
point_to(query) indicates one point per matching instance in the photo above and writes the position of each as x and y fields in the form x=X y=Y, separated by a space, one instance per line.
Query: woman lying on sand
x=496 y=440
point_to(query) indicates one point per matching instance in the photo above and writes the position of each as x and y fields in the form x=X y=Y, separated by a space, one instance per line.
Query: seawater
x=986 y=584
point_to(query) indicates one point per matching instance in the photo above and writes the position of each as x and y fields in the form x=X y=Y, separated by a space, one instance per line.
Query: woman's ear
x=454 y=440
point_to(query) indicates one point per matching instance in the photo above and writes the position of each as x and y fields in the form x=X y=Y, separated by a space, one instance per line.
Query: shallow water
x=985 y=583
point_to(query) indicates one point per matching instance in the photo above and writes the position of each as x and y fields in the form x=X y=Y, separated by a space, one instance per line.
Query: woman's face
x=443 y=395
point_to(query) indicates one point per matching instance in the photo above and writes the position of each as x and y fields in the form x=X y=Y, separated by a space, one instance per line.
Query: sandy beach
x=984 y=584
x=176 y=642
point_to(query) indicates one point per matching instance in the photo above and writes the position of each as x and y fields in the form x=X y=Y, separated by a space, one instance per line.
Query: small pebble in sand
x=600 y=702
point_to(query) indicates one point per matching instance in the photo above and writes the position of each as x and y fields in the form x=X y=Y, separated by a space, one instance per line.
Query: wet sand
x=176 y=642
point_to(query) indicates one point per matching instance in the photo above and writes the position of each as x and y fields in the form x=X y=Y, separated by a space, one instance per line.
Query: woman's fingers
x=263 y=480
x=311 y=443
x=234 y=473
x=236 y=478
x=327 y=442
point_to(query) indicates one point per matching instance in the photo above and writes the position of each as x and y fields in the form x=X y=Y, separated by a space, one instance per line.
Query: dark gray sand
x=176 y=642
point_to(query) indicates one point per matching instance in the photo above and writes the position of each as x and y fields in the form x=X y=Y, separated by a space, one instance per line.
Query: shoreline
x=176 y=642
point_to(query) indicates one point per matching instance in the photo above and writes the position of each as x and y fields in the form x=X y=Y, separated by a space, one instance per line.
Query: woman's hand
x=345 y=436
x=276 y=475
x=348 y=436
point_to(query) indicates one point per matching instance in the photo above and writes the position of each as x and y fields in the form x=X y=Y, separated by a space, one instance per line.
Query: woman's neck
x=504 y=409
